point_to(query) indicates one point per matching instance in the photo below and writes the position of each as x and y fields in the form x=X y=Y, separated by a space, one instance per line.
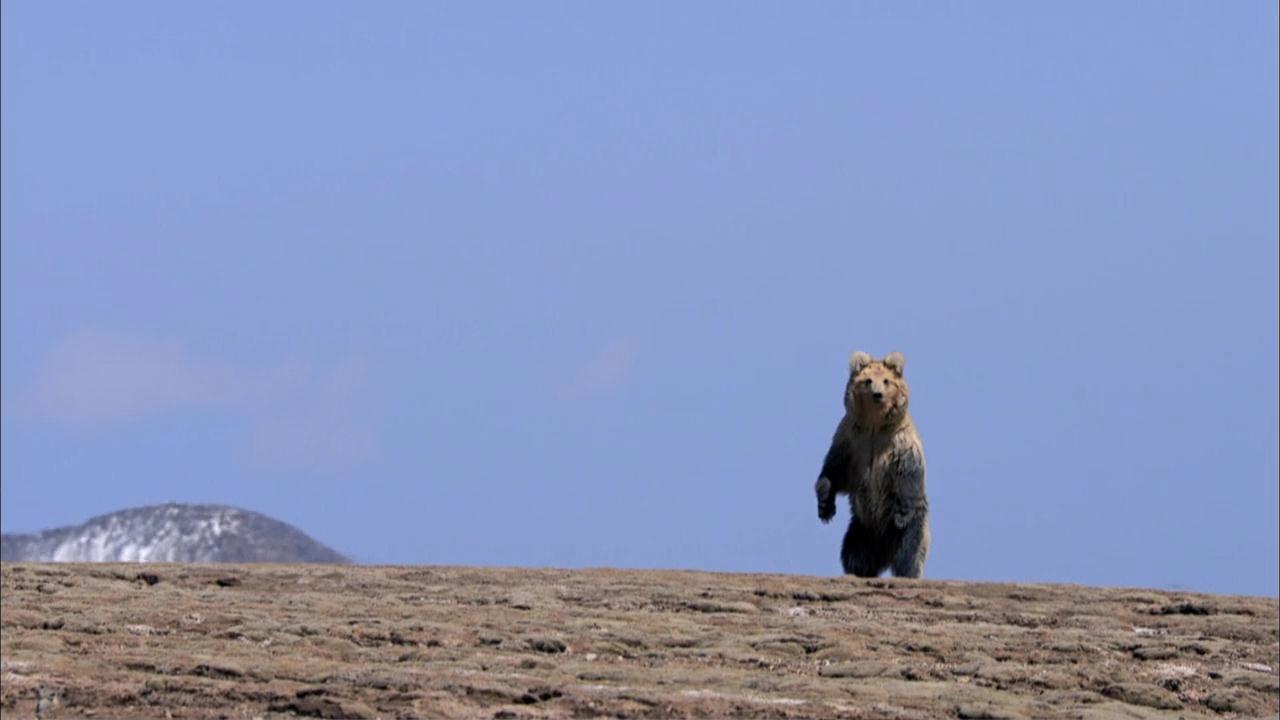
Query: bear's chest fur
x=873 y=480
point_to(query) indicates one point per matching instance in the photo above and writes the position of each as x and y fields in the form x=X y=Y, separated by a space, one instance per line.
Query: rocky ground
x=205 y=641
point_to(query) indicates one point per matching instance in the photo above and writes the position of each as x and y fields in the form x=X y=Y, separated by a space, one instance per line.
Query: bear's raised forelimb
x=826 y=499
x=834 y=478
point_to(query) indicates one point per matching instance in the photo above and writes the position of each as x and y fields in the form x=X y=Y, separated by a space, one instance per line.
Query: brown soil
x=206 y=641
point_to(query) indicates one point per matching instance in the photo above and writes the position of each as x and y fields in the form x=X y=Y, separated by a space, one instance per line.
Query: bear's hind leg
x=859 y=553
x=913 y=548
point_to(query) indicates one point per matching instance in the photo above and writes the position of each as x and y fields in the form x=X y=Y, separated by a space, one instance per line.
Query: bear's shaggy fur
x=876 y=458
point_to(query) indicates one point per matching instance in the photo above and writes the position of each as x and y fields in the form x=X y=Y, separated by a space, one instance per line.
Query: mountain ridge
x=171 y=532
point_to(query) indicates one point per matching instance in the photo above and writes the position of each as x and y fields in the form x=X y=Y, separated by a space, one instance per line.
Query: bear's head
x=877 y=393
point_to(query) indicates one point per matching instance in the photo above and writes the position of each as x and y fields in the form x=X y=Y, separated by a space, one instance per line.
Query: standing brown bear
x=876 y=458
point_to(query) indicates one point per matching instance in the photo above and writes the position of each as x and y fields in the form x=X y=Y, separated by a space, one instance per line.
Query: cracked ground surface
x=208 y=641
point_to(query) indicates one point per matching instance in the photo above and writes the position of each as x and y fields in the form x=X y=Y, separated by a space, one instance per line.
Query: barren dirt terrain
x=205 y=641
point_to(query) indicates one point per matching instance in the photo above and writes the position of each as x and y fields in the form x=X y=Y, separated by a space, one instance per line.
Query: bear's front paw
x=826 y=501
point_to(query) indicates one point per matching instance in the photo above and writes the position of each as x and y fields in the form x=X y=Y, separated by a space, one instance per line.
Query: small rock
x=547 y=645
x=538 y=695
x=1072 y=646
x=54 y=624
x=217 y=670
x=1145 y=695
x=323 y=707
x=46 y=699
x=227 y=582
x=1155 y=652
x=396 y=638
x=1186 y=608
x=855 y=669
x=974 y=711
x=308 y=692
x=1004 y=674
x=1053 y=680
x=909 y=672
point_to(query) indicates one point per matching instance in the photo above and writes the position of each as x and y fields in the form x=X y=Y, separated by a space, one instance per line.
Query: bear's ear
x=857 y=361
x=894 y=361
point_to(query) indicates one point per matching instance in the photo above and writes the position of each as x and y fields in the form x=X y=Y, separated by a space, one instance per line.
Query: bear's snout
x=877 y=396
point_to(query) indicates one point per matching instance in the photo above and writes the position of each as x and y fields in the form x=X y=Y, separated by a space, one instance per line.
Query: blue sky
x=575 y=284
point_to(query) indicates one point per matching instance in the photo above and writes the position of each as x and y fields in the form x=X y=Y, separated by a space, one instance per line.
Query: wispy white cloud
x=297 y=416
x=607 y=370
x=97 y=378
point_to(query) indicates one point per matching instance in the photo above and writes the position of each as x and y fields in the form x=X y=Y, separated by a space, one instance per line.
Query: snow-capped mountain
x=171 y=533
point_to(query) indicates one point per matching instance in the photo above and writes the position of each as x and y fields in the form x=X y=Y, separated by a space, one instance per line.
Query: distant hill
x=171 y=533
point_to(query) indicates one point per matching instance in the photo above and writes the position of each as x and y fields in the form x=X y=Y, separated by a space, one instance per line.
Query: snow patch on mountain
x=170 y=533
